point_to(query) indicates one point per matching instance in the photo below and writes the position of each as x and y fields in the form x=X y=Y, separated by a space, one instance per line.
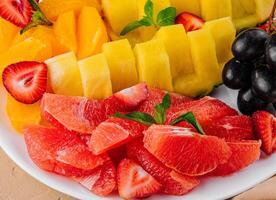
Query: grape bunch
x=252 y=71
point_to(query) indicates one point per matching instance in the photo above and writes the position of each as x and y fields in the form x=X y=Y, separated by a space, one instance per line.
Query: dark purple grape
x=250 y=44
x=236 y=75
x=270 y=52
x=248 y=103
x=264 y=84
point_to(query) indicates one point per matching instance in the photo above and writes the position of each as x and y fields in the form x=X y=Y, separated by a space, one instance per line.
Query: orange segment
x=53 y=8
x=21 y=114
x=92 y=34
x=7 y=34
x=65 y=30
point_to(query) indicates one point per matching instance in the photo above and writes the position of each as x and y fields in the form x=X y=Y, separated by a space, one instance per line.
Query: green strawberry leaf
x=166 y=17
x=160 y=109
x=189 y=117
x=148 y=9
x=140 y=117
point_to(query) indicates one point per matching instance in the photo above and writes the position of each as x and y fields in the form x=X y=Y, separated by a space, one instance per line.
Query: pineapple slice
x=65 y=30
x=187 y=6
x=215 y=9
x=64 y=75
x=53 y=8
x=8 y=32
x=95 y=77
x=223 y=32
x=263 y=9
x=153 y=64
x=121 y=62
x=92 y=34
x=178 y=49
x=119 y=13
x=21 y=115
x=146 y=33
x=206 y=68
x=30 y=49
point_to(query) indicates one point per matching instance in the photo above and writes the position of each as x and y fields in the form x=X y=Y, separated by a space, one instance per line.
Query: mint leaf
x=146 y=21
x=148 y=9
x=189 y=117
x=160 y=109
x=130 y=27
x=166 y=17
x=140 y=117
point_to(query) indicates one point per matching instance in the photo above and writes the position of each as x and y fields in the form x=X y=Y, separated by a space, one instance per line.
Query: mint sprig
x=160 y=109
x=140 y=117
x=164 y=18
x=38 y=18
x=190 y=118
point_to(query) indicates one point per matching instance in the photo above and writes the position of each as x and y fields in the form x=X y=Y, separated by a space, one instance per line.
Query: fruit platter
x=159 y=99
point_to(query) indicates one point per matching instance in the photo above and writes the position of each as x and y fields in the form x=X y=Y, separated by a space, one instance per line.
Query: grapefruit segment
x=185 y=151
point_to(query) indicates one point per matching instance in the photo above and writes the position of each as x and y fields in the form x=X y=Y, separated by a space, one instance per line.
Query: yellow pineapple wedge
x=65 y=30
x=223 y=32
x=21 y=115
x=177 y=46
x=53 y=8
x=64 y=75
x=91 y=34
x=146 y=33
x=121 y=62
x=95 y=77
x=153 y=64
x=187 y=6
x=206 y=68
x=30 y=49
x=215 y=9
x=8 y=32
x=120 y=13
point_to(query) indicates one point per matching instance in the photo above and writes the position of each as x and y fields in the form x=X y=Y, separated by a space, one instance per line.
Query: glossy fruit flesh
x=236 y=74
x=270 y=52
x=248 y=103
x=250 y=44
x=264 y=84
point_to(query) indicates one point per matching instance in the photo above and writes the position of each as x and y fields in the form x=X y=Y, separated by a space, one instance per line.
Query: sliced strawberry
x=134 y=181
x=186 y=152
x=190 y=21
x=48 y=147
x=18 y=12
x=113 y=133
x=155 y=96
x=102 y=181
x=264 y=125
x=173 y=182
x=133 y=96
x=26 y=81
x=206 y=110
x=244 y=153
x=231 y=128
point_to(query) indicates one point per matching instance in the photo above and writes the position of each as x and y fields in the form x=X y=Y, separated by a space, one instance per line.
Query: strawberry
x=18 y=12
x=134 y=182
x=264 y=128
x=244 y=153
x=190 y=21
x=173 y=183
x=231 y=128
x=26 y=81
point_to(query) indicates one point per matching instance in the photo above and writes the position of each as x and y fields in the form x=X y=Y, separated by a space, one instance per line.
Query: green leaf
x=148 y=9
x=166 y=17
x=131 y=26
x=189 y=117
x=160 y=109
x=140 y=117
x=146 y=21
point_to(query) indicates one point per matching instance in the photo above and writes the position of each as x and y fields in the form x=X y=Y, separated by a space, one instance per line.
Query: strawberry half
x=134 y=181
x=18 y=12
x=26 y=81
x=190 y=21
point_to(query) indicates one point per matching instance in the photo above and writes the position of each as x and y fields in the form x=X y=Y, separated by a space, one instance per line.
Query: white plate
x=211 y=188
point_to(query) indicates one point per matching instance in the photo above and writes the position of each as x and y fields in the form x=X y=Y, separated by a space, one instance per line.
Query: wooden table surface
x=15 y=184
